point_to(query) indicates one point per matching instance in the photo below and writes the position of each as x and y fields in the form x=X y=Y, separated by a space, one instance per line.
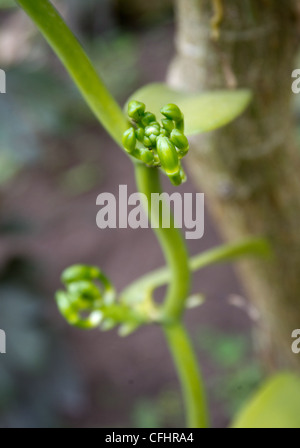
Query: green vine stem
x=189 y=374
x=172 y=243
x=174 y=248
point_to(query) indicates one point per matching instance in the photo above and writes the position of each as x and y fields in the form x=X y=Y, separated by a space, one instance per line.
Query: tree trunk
x=250 y=170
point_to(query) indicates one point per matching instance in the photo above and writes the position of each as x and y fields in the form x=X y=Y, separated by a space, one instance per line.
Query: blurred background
x=55 y=160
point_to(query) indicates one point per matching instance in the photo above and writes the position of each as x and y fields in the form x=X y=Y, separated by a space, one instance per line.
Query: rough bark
x=250 y=170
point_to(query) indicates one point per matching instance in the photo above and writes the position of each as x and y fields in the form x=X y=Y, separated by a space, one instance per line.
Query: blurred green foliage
x=164 y=411
x=276 y=405
x=237 y=373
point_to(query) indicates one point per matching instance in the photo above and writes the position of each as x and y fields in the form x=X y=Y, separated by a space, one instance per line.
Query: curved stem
x=174 y=248
x=189 y=375
x=80 y=68
x=257 y=247
x=172 y=243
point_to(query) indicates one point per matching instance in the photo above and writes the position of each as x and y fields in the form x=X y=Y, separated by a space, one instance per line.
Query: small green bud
x=179 y=139
x=63 y=302
x=80 y=273
x=146 y=156
x=180 y=125
x=172 y=112
x=168 y=155
x=129 y=140
x=178 y=178
x=84 y=290
x=168 y=125
x=156 y=124
x=136 y=110
x=181 y=142
x=164 y=133
x=152 y=130
x=183 y=152
x=147 y=142
x=175 y=179
x=140 y=134
x=153 y=139
x=183 y=175
x=156 y=160
x=148 y=119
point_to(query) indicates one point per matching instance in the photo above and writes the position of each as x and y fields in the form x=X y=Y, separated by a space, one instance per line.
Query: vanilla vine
x=89 y=299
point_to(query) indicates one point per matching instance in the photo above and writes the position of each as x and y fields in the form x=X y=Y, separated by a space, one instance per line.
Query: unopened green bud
x=172 y=112
x=129 y=140
x=168 y=125
x=179 y=139
x=79 y=273
x=153 y=139
x=148 y=119
x=147 y=142
x=180 y=125
x=175 y=179
x=156 y=124
x=183 y=175
x=178 y=178
x=146 y=156
x=168 y=155
x=140 y=134
x=85 y=290
x=156 y=159
x=136 y=110
x=152 y=130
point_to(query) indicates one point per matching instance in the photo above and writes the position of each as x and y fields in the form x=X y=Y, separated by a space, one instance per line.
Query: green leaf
x=276 y=405
x=203 y=112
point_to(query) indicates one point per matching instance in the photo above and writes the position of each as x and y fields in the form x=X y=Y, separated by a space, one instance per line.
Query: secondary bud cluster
x=158 y=144
x=89 y=301
x=83 y=303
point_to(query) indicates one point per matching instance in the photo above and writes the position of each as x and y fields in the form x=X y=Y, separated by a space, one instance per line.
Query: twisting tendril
x=83 y=301
x=90 y=301
x=158 y=145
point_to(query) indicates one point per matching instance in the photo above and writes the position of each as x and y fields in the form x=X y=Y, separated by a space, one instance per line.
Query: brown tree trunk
x=250 y=170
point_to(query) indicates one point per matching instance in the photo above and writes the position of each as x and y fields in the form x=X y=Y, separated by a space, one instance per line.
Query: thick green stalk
x=174 y=248
x=172 y=243
x=80 y=68
x=189 y=375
